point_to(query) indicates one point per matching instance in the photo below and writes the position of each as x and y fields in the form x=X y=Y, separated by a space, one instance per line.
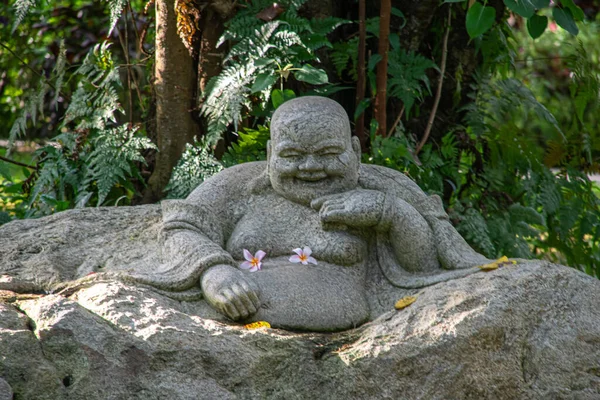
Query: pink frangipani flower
x=253 y=262
x=303 y=256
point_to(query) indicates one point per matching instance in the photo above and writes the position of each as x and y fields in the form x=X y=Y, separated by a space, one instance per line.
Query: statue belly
x=277 y=226
x=319 y=297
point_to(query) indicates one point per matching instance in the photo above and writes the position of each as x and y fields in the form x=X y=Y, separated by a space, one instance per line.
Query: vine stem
x=18 y=163
x=438 y=93
x=396 y=122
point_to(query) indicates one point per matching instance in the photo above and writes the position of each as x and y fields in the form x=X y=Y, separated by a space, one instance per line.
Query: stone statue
x=311 y=198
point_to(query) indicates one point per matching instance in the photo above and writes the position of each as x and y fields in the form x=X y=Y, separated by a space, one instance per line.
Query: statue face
x=307 y=162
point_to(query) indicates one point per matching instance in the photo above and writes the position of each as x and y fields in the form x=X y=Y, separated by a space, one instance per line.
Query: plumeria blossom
x=253 y=262
x=303 y=256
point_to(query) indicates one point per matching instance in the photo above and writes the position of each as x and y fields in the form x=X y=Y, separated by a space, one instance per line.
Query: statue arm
x=409 y=235
x=191 y=241
x=413 y=245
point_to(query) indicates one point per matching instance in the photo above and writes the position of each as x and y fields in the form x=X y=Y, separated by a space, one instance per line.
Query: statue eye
x=330 y=152
x=289 y=154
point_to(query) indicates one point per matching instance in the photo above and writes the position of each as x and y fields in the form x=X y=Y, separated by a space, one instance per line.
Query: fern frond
x=239 y=28
x=59 y=71
x=34 y=104
x=344 y=56
x=195 y=166
x=475 y=229
x=22 y=8
x=111 y=160
x=296 y=24
x=408 y=78
x=324 y=26
x=116 y=9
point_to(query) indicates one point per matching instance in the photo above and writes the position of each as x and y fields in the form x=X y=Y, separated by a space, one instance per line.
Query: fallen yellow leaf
x=494 y=265
x=258 y=325
x=405 y=302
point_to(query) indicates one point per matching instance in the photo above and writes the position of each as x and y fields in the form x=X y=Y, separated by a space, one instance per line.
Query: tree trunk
x=361 y=73
x=174 y=85
x=381 y=99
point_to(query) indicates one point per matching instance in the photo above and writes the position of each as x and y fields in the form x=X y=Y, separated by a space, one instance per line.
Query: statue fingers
x=335 y=215
x=329 y=210
x=253 y=293
x=231 y=307
x=318 y=202
x=246 y=306
x=222 y=305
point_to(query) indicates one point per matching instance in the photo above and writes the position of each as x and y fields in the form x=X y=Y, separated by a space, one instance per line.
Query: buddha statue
x=292 y=240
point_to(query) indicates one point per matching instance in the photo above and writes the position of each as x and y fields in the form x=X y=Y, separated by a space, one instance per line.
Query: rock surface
x=529 y=331
x=526 y=331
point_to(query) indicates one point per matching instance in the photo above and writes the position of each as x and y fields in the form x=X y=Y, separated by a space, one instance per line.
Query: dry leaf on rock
x=257 y=325
x=405 y=302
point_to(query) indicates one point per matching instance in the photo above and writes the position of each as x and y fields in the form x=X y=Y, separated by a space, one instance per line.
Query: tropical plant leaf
x=278 y=97
x=309 y=74
x=564 y=19
x=536 y=25
x=479 y=19
x=263 y=81
x=525 y=8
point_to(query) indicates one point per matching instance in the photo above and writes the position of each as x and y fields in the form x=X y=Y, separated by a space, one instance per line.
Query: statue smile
x=313 y=177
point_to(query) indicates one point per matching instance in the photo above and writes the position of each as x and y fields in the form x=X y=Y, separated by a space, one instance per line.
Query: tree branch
x=438 y=93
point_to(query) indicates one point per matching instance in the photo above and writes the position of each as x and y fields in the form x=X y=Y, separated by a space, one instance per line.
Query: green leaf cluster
x=481 y=17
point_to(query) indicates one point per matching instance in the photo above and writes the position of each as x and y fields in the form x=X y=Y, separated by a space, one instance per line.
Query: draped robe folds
x=196 y=230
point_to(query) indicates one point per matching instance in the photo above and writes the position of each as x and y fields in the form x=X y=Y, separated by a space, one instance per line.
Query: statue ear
x=356 y=147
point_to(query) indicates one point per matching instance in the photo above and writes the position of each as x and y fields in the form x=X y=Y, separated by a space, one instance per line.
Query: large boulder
x=525 y=331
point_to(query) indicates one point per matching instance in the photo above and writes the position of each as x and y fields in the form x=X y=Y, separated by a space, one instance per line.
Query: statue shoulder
x=388 y=180
x=234 y=182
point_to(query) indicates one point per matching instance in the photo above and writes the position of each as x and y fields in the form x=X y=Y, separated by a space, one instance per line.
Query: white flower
x=253 y=263
x=303 y=256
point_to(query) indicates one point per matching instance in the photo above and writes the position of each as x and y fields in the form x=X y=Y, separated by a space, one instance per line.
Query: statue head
x=311 y=152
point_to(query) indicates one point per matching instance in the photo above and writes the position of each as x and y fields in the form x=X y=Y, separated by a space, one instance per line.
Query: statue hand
x=230 y=291
x=357 y=208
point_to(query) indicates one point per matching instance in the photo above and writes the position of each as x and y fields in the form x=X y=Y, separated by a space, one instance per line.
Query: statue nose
x=311 y=164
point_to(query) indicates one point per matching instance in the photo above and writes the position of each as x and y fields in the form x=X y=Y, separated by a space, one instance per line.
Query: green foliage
x=407 y=70
x=251 y=146
x=12 y=198
x=198 y=164
x=21 y=9
x=263 y=52
x=501 y=196
x=92 y=160
x=195 y=166
x=481 y=18
x=408 y=77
